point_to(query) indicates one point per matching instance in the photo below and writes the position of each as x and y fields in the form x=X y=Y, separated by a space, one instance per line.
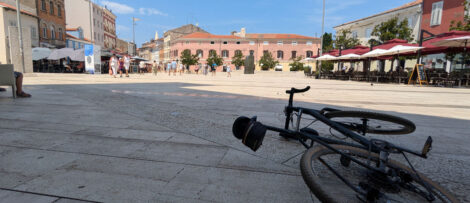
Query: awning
x=61 y=53
x=431 y=48
x=349 y=57
x=78 y=55
x=326 y=57
x=374 y=53
x=401 y=49
x=40 y=53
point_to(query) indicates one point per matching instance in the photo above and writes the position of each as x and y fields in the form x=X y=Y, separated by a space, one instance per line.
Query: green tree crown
x=345 y=40
x=214 y=59
x=187 y=59
x=238 y=60
x=391 y=29
x=267 y=61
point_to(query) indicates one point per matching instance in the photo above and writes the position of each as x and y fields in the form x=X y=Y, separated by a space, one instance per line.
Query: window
x=212 y=52
x=212 y=42
x=61 y=37
x=43 y=5
x=410 y=21
x=294 y=43
x=266 y=43
x=225 y=42
x=252 y=42
x=354 y=34
x=265 y=52
x=368 y=32
x=238 y=52
x=309 y=54
x=280 y=54
x=294 y=54
x=225 y=54
x=59 y=11
x=252 y=52
x=52 y=32
x=175 y=53
x=51 y=7
x=187 y=42
x=44 y=31
x=33 y=32
x=436 y=14
x=280 y=42
x=238 y=42
x=309 y=43
x=199 y=53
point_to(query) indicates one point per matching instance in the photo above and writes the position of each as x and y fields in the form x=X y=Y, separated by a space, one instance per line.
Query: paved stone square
x=85 y=138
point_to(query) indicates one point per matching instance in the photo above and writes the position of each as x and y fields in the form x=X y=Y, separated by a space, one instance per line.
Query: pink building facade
x=283 y=47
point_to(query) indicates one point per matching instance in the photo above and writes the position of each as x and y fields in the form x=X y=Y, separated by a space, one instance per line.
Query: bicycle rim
x=377 y=123
x=327 y=187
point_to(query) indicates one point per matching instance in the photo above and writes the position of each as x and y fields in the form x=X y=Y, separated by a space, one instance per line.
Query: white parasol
x=61 y=53
x=39 y=53
x=326 y=58
x=401 y=49
x=374 y=53
x=78 y=55
x=350 y=56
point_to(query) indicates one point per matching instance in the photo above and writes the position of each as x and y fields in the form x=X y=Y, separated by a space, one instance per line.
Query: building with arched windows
x=283 y=47
x=51 y=14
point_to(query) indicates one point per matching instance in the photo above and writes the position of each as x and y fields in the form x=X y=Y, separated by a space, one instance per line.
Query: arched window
x=294 y=54
x=44 y=31
x=61 y=34
x=52 y=32
x=59 y=11
x=43 y=5
x=211 y=52
x=225 y=54
x=238 y=52
x=309 y=54
x=280 y=54
x=51 y=9
x=200 y=53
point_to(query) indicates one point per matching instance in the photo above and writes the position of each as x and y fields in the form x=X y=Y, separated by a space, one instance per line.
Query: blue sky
x=222 y=16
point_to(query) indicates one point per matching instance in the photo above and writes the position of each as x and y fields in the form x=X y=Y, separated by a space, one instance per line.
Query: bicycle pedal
x=427 y=147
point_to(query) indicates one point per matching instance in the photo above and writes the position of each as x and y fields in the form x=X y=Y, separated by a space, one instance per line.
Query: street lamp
x=322 y=34
x=20 y=33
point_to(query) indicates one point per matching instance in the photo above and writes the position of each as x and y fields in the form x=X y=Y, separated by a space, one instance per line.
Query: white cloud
x=121 y=28
x=151 y=11
x=117 y=7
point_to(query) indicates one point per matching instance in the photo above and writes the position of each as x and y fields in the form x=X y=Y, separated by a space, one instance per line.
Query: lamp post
x=20 y=33
x=322 y=34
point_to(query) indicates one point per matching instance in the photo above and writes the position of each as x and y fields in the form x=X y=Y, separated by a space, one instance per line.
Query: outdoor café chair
x=7 y=77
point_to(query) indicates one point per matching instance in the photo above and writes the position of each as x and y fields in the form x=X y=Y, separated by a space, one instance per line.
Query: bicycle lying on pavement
x=361 y=170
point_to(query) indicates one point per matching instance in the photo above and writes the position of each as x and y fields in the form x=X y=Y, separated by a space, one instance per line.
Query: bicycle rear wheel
x=376 y=123
x=327 y=187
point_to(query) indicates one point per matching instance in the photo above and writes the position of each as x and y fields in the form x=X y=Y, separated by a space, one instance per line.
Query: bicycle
x=340 y=171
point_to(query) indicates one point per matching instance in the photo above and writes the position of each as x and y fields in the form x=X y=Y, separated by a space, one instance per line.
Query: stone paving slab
x=169 y=139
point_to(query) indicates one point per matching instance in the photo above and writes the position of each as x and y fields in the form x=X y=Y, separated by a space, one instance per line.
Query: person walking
x=181 y=68
x=142 y=67
x=206 y=68
x=229 y=74
x=213 y=68
x=173 y=67
x=154 y=68
x=121 y=66
x=168 y=68
x=197 y=69
x=113 y=65
x=127 y=63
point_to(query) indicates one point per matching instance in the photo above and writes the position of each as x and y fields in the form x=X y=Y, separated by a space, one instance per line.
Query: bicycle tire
x=319 y=190
x=407 y=125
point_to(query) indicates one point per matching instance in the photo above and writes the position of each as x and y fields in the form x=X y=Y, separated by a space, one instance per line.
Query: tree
x=187 y=59
x=327 y=42
x=345 y=40
x=296 y=65
x=267 y=61
x=462 y=26
x=238 y=60
x=214 y=59
x=392 y=29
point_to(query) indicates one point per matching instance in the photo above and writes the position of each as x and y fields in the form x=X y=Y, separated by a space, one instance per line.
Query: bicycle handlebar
x=293 y=90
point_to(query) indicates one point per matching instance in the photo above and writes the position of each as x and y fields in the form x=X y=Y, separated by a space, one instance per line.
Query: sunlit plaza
x=169 y=138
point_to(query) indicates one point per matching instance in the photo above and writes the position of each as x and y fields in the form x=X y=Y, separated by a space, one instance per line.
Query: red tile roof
x=201 y=35
x=14 y=8
x=407 y=5
x=73 y=37
x=278 y=36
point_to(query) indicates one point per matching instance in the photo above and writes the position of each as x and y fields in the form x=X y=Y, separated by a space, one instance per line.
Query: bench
x=7 y=77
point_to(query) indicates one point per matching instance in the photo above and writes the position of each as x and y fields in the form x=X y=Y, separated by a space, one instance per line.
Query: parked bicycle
x=360 y=170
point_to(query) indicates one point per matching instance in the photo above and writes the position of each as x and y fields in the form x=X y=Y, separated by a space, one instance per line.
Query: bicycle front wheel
x=328 y=187
x=375 y=123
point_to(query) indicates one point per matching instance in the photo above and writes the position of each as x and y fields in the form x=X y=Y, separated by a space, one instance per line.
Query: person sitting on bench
x=19 y=86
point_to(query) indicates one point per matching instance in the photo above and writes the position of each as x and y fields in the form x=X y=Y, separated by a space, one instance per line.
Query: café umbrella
x=401 y=49
x=60 y=53
x=326 y=58
x=374 y=53
x=455 y=42
x=349 y=57
x=40 y=53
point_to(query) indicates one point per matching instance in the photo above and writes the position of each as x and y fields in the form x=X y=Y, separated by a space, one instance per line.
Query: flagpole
x=322 y=34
